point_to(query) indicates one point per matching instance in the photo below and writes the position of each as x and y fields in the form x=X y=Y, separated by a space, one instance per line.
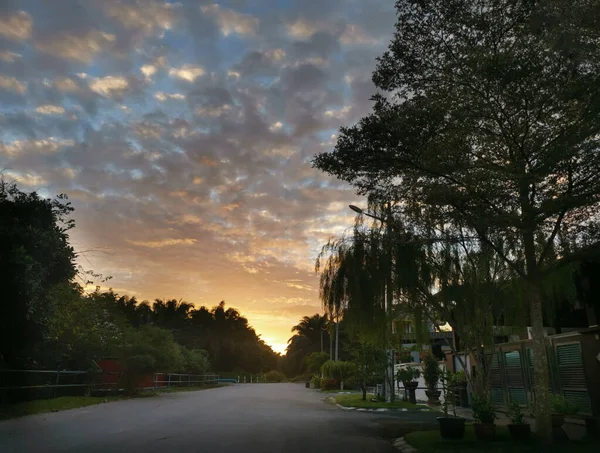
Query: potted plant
x=451 y=426
x=560 y=408
x=459 y=387
x=518 y=430
x=431 y=373
x=407 y=376
x=484 y=416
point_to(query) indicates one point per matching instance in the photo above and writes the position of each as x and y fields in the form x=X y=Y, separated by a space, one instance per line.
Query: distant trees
x=311 y=335
x=46 y=320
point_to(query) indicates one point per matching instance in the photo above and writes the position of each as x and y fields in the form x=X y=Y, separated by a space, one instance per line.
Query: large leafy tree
x=310 y=336
x=490 y=123
x=35 y=256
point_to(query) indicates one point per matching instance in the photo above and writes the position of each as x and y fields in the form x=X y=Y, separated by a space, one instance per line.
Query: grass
x=72 y=402
x=52 y=405
x=355 y=400
x=431 y=442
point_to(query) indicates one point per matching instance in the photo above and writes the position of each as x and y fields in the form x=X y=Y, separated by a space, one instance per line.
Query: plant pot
x=433 y=397
x=411 y=387
x=484 y=431
x=451 y=427
x=520 y=431
x=558 y=420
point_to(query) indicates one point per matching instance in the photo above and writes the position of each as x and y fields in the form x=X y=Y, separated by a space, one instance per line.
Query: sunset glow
x=183 y=134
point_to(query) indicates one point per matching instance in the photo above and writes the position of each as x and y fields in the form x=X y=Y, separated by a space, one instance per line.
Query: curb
x=401 y=445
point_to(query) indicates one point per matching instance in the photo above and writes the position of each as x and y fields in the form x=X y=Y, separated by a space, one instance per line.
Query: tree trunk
x=321 y=340
x=330 y=345
x=364 y=391
x=337 y=339
x=541 y=378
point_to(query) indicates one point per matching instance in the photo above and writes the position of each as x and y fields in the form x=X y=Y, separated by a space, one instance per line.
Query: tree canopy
x=487 y=121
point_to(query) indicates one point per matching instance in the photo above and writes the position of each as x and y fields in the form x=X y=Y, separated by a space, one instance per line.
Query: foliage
x=405 y=356
x=369 y=364
x=447 y=379
x=408 y=374
x=311 y=335
x=315 y=382
x=330 y=384
x=36 y=256
x=315 y=361
x=483 y=412
x=431 y=371
x=337 y=369
x=195 y=361
x=487 y=123
x=515 y=414
x=274 y=376
x=459 y=378
x=561 y=406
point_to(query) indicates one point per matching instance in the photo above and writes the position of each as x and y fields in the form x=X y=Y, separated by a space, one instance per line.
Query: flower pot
x=451 y=427
x=558 y=420
x=520 y=431
x=484 y=431
x=433 y=397
x=411 y=387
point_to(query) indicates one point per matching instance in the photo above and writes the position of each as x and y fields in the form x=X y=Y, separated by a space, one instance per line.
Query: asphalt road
x=252 y=418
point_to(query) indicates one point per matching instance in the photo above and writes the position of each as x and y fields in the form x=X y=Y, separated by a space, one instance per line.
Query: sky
x=183 y=133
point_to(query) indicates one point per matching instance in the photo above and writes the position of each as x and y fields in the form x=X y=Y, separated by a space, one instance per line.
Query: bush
x=195 y=361
x=562 y=406
x=315 y=382
x=337 y=369
x=274 y=376
x=330 y=384
x=408 y=374
x=431 y=371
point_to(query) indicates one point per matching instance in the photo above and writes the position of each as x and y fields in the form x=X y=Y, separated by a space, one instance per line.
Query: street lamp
x=389 y=381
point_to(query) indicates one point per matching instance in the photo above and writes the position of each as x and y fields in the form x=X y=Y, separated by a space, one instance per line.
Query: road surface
x=244 y=418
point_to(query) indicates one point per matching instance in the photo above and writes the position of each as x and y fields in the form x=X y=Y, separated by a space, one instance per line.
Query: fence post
x=56 y=383
x=169 y=383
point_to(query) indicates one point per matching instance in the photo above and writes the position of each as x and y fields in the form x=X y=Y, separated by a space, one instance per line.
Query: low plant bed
x=355 y=400
x=191 y=389
x=432 y=442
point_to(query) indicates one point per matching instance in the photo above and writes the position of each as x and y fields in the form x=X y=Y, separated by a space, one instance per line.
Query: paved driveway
x=253 y=418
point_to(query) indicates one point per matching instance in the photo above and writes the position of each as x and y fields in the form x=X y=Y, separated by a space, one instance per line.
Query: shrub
x=337 y=369
x=562 y=406
x=431 y=371
x=515 y=414
x=408 y=374
x=483 y=412
x=274 y=376
x=330 y=384
x=315 y=382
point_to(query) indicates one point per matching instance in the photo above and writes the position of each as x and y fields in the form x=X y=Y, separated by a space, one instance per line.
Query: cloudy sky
x=183 y=134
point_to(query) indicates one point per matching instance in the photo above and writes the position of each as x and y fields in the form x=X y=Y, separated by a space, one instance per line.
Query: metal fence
x=511 y=373
x=26 y=385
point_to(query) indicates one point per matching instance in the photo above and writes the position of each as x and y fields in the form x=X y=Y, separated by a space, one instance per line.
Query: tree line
x=47 y=321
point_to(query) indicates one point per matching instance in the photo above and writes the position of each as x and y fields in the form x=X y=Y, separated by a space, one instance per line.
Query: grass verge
x=431 y=442
x=52 y=405
x=72 y=402
x=355 y=400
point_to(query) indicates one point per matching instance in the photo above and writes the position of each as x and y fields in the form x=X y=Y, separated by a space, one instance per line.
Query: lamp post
x=389 y=378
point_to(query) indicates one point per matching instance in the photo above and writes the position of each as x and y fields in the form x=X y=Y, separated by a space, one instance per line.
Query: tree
x=338 y=369
x=310 y=334
x=35 y=256
x=369 y=364
x=491 y=124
